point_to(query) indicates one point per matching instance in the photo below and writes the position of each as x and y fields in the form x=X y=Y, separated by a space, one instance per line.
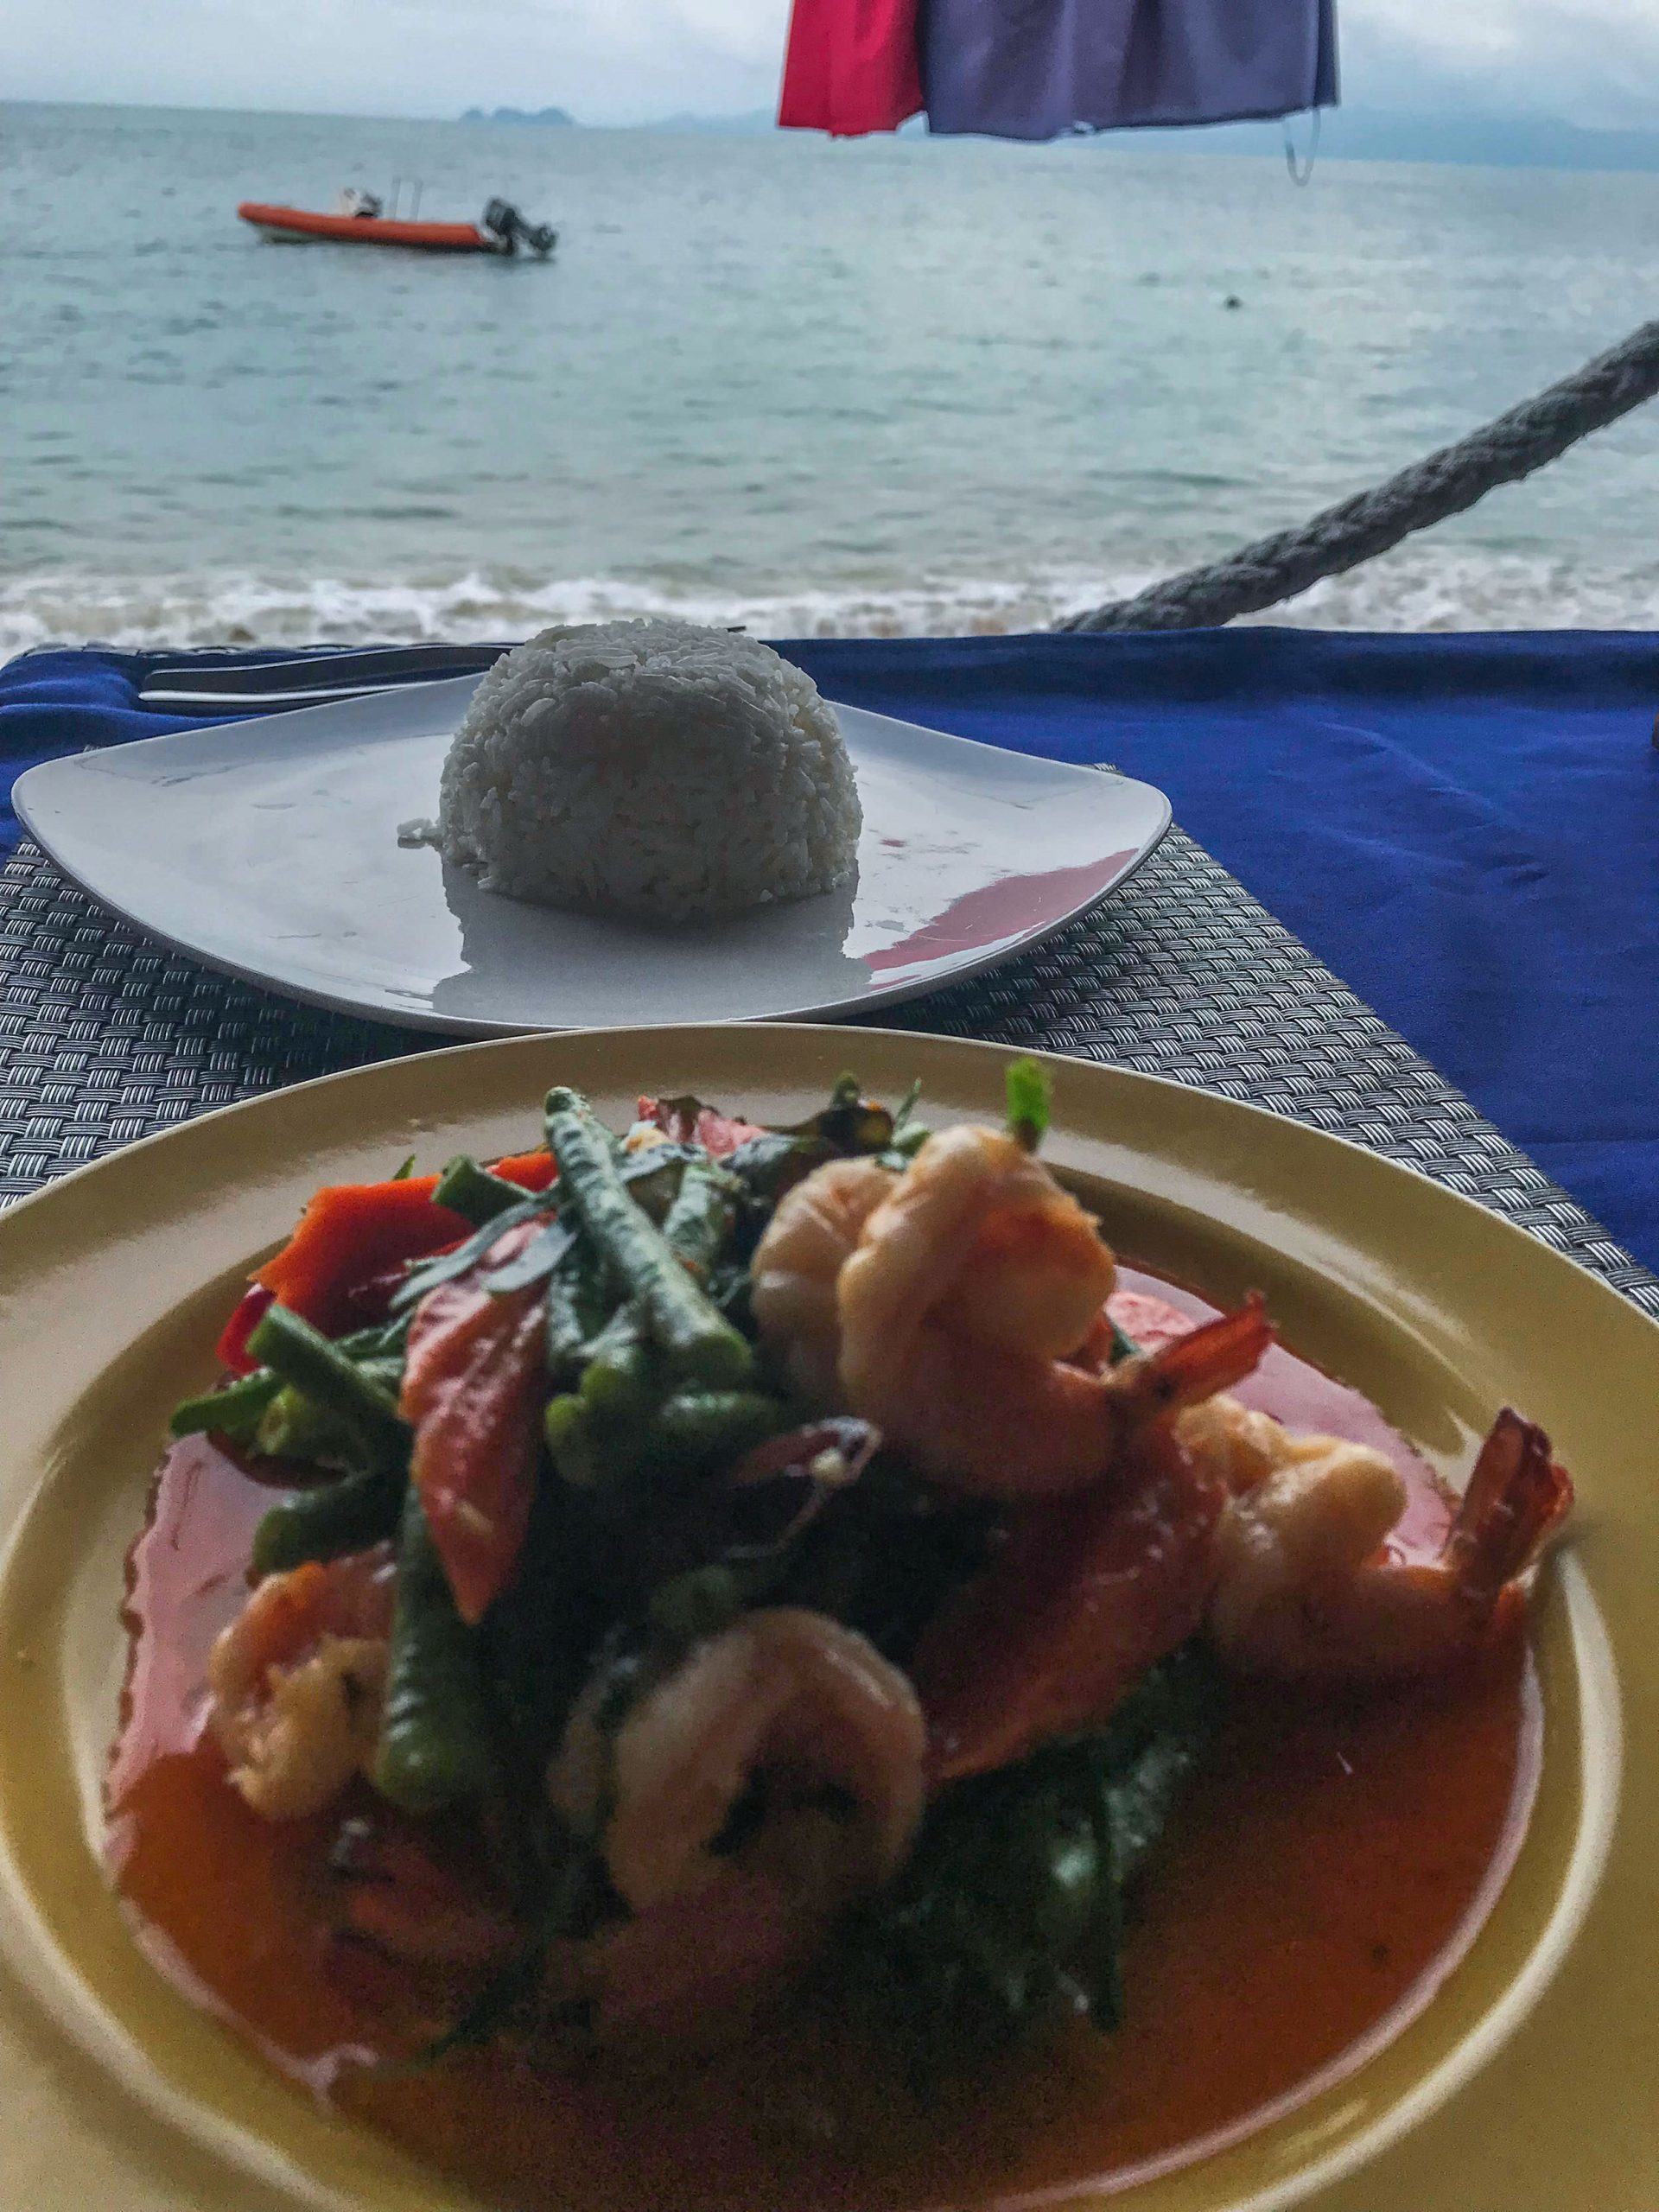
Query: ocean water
x=893 y=386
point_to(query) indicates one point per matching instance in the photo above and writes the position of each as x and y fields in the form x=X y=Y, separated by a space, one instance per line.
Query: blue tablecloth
x=1465 y=828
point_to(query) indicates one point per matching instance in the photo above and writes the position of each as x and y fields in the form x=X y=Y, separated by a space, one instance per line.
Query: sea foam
x=1415 y=589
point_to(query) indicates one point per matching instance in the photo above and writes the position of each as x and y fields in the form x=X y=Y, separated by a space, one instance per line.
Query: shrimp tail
x=1199 y=1364
x=1516 y=1497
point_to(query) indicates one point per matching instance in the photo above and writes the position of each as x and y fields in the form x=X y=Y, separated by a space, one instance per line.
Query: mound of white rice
x=653 y=768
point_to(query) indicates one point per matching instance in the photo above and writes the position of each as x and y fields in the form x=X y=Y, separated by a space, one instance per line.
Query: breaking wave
x=1441 y=589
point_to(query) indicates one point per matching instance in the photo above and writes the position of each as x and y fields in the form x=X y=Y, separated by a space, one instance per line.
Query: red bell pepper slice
x=1084 y=1596
x=233 y=1354
x=472 y=1393
x=352 y=1233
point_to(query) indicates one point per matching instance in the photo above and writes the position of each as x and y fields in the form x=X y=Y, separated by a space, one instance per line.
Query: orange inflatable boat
x=502 y=230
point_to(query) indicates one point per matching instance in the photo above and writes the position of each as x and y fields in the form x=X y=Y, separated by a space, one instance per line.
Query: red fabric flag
x=852 y=66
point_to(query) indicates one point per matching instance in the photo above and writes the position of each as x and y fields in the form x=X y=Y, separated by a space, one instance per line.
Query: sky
x=1587 y=62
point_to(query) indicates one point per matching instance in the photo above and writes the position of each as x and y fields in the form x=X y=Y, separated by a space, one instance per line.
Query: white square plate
x=269 y=848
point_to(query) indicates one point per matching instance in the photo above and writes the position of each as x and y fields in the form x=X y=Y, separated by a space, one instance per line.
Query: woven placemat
x=105 y=1037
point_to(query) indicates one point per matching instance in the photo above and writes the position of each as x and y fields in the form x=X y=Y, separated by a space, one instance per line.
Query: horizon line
x=1470 y=125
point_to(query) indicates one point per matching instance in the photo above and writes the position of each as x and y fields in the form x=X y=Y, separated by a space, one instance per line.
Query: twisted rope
x=1277 y=568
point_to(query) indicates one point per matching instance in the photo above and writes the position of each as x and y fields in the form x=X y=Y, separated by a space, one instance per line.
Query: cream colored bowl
x=1525 y=2085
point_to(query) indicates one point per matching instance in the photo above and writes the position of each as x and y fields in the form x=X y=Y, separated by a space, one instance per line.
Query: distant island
x=555 y=115
x=1496 y=141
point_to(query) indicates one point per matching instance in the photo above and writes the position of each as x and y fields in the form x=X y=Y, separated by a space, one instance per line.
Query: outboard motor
x=508 y=231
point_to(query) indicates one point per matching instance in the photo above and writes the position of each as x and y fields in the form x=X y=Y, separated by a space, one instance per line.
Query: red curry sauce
x=1322 y=1875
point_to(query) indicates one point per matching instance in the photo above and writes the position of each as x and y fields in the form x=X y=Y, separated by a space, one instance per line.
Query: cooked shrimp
x=942 y=1306
x=1303 y=1586
x=788 y=1712
x=996 y=1424
x=298 y=1680
x=1244 y=1446
x=811 y=1235
x=784 y=1698
x=976 y=1238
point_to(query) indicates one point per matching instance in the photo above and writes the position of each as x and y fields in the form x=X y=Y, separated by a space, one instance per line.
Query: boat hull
x=300 y=225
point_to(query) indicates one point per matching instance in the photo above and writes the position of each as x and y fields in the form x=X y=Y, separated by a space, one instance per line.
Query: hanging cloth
x=851 y=66
x=1037 y=69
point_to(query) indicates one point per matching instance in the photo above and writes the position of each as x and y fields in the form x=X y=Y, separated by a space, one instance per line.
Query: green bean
x=704 y=1428
x=700 y=1220
x=340 y=1517
x=294 y=1426
x=434 y=1735
x=576 y=1311
x=698 y=1345
x=232 y=1411
x=580 y=1448
x=324 y=1373
x=653 y=1176
x=598 y=1432
x=566 y=1425
x=620 y=1377
x=475 y=1194
x=236 y=1408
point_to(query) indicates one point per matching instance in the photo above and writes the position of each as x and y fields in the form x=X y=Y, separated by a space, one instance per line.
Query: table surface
x=105 y=1037
x=1465 y=830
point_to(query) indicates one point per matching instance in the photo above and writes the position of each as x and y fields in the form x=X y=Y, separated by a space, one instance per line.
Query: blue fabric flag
x=1039 y=68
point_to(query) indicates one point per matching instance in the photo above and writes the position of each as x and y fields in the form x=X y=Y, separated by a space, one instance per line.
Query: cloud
x=607 y=61
x=752 y=31
x=1590 y=61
